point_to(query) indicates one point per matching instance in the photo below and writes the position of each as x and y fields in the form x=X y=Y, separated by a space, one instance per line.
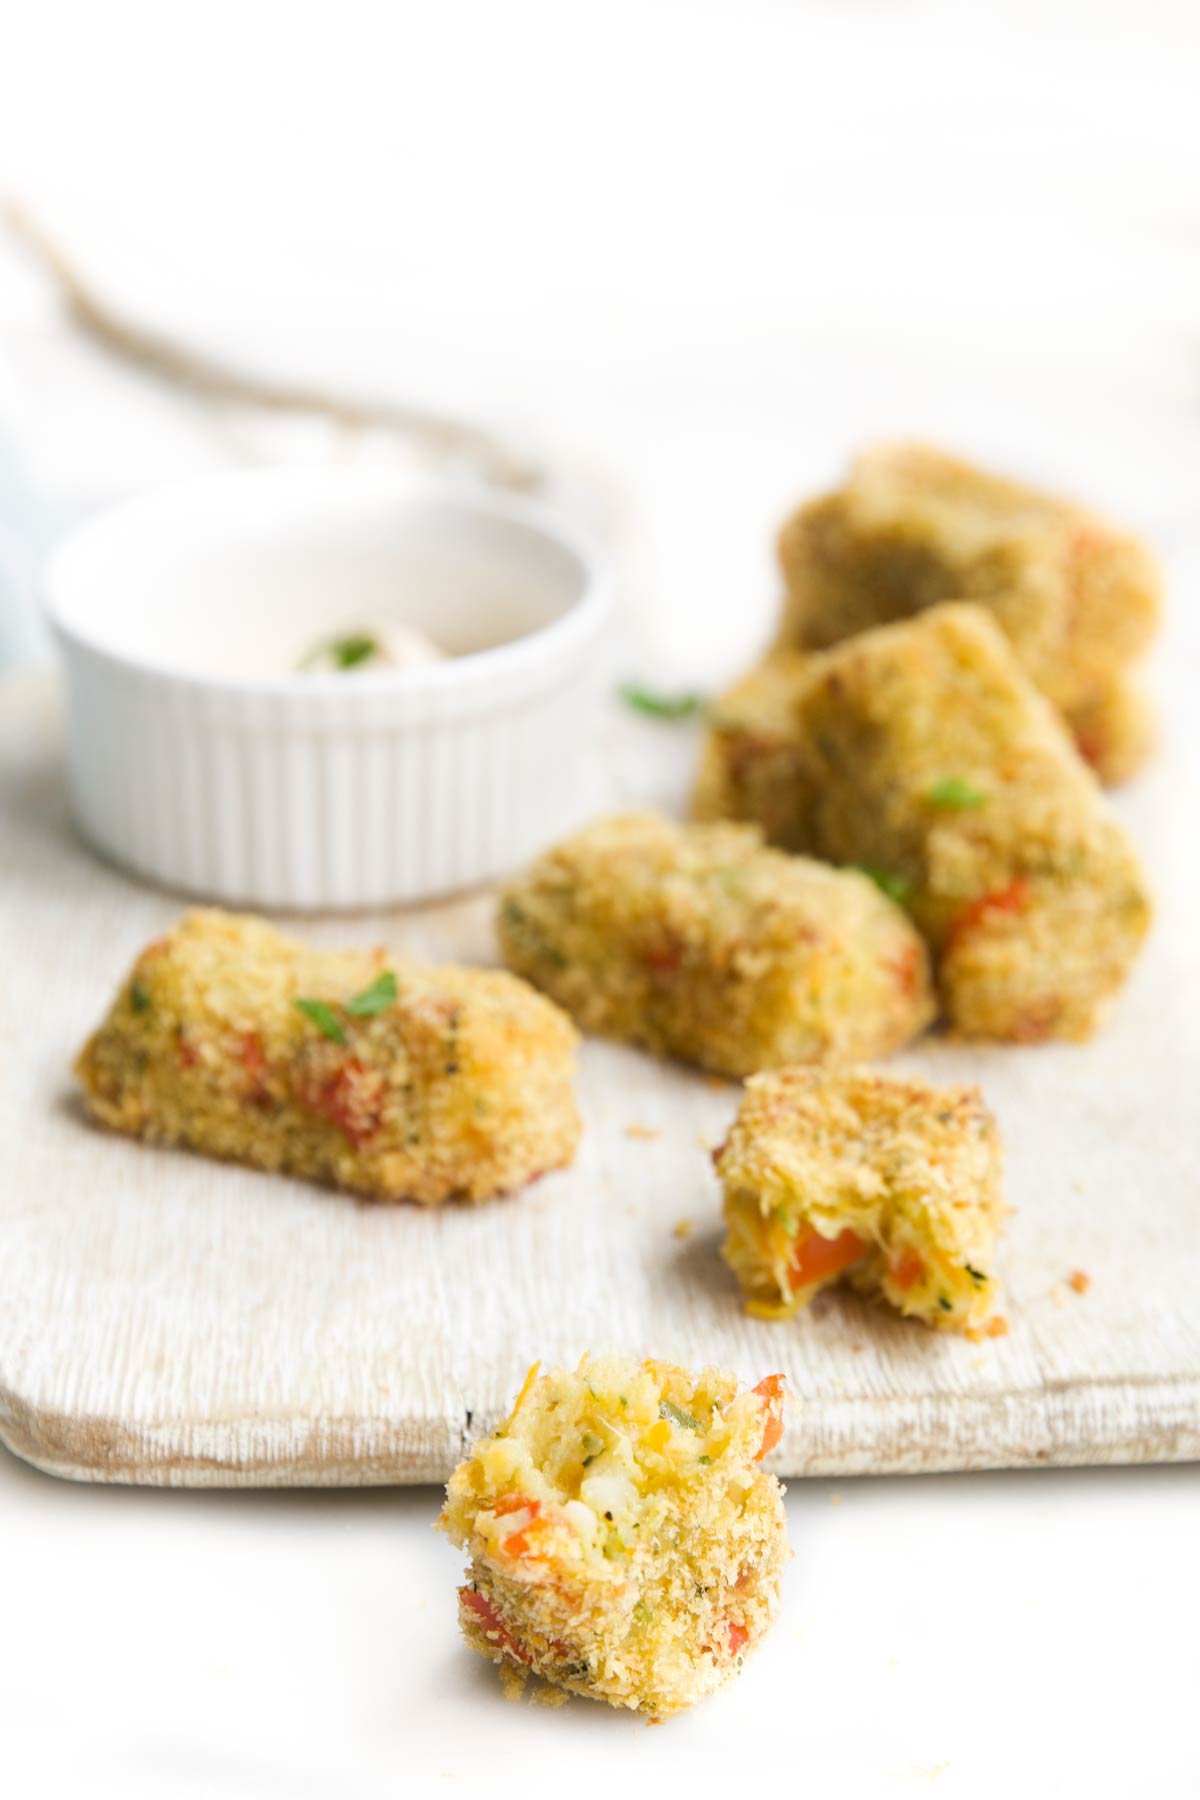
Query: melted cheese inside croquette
x=626 y=1543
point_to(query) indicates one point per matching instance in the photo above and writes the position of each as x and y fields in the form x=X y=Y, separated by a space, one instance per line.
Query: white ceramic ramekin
x=198 y=760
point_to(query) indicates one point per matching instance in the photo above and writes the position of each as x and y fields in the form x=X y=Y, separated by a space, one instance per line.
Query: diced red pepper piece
x=1011 y=899
x=493 y=1625
x=906 y=1271
x=770 y=1389
x=350 y=1100
x=817 y=1258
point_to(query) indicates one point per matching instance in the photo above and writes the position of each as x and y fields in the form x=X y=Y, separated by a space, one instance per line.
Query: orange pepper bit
x=1011 y=899
x=517 y=1544
x=906 y=1271
x=771 y=1391
x=816 y=1258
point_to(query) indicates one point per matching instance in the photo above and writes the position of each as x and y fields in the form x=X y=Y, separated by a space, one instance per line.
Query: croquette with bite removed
x=892 y=1185
x=626 y=1543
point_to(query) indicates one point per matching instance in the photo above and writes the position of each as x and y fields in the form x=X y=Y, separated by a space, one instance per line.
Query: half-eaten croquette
x=892 y=1185
x=626 y=1543
x=1077 y=597
x=699 y=943
x=921 y=752
x=397 y=1081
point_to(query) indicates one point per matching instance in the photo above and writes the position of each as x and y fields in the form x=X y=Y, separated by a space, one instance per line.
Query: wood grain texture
x=168 y=1320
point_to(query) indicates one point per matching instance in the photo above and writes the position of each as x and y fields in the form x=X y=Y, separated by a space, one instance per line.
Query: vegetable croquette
x=397 y=1081
x=892 y=1185
x=922 y=753
x=625 y=1542
x=911 y=527
x=699 y=943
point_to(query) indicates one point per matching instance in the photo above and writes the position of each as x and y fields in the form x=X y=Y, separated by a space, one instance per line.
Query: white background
x=693 y=252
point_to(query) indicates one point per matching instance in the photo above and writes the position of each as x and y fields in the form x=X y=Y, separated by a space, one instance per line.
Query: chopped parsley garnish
x=897 y=887
x=677 y=1416
x=341 y=652
x=374 y=999
x=955 y=794
x=704 y=1459
x=323 y=1017
x=946 y=1305
x=139 y=999
x=661 y=706
x=977 y=1275
x=643 y=1613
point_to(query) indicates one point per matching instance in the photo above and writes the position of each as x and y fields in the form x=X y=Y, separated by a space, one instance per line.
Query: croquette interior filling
x=892 y=1185
x=626 y=1542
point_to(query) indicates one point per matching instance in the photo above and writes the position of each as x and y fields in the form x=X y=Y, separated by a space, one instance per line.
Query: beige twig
x=212 y=381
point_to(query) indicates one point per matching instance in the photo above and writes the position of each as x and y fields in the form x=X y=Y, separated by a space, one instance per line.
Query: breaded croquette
x=394 y=1080
x=911 y=527
x=892 y=1185
x=625 y=1542
x=921 y=752
x=699 y=943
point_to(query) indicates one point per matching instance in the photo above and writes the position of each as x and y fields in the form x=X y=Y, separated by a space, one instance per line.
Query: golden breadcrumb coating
x=892 y=1185
x=911 y=527
x=1112 y=723
x=922 y=752
x=699 y=943
x=398 y=1081
x=625 y=1542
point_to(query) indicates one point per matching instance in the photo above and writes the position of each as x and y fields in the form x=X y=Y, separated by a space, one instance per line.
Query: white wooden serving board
x=164 y=1319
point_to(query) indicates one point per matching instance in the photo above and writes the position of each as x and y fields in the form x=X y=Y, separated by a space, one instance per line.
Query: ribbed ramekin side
x=265 y=799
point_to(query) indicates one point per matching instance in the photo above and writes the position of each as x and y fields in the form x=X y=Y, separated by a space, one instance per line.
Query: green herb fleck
x=677 y=1416
x=344 y=652
x=945 y=1304
x=374 y=999
x=977 y=1275
x=643 y=1613
x=897 y=887
x=661 y=706
x=139 y=999
x=704 y=1459
x=955 y=794
x=323 y=1017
